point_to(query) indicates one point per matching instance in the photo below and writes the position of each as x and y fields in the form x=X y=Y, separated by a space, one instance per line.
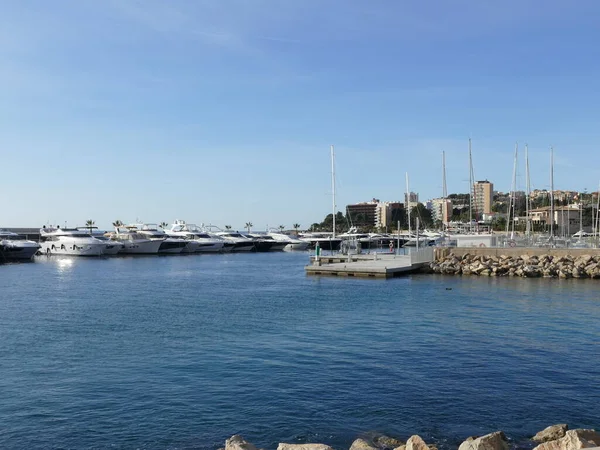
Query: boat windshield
x=202 y=235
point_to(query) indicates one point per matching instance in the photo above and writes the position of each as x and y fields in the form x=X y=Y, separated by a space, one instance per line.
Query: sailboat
x=325 y=240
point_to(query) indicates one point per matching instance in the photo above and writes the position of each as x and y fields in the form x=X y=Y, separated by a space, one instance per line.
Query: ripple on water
x=183 y=352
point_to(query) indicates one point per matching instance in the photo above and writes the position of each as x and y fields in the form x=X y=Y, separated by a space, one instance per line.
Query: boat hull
x=17 y=252
x=73 y=249
x=141 y=248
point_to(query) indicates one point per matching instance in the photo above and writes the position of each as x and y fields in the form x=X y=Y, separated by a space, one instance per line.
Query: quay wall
x=440 y=253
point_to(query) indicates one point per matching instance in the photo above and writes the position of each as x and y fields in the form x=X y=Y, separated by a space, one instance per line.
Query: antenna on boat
x=333 y=187
x=444 y=190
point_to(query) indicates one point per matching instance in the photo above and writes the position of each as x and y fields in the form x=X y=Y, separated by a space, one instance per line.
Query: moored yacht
x=267 y=243
x=325 y=241
x=69 y=241
x=110 y=247
x=134 y=242
x=14 y=247
x=169 y=246
x=291 y=243
x=240 y=242
x=205 y=242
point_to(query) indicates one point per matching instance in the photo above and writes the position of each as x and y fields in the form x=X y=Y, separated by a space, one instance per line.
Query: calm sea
x=183 y=352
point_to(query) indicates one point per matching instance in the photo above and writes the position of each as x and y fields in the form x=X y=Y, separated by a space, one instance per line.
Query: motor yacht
x=14 y=247
x=193 y=233
x=170 y=245
x=69 y=241
x=325 y=240
x=267 y=243
x=291 y=242
x=135 y=243
x=110 y=247
x=240 y=242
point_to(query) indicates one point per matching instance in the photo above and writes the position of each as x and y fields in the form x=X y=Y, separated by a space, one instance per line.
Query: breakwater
x=554 y=437
x=526 y=263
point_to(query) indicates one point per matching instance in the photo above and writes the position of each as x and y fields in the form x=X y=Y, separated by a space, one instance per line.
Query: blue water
x=183 y=352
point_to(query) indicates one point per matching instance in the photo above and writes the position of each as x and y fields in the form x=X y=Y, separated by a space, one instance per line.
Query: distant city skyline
x=223 y=112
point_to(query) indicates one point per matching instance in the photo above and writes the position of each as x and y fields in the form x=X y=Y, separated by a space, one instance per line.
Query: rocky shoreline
x=547 y=266
x=555 y=437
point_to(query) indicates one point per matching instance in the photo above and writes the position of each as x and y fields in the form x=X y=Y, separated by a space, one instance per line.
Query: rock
x=551 y=433
x=492 y=441
x=362 y=444
x=402 y=447
x=236 y=442
x=573 y=440
x=416 y=443
x=386 y=442
x=283 y=446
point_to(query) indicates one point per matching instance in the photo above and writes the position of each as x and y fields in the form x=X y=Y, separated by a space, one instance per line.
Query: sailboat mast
x=551 y=194
x=408 y=203
x=471 y=189
x=333 y=187
x=527 y=192
x=512 y=200
x=444 y=191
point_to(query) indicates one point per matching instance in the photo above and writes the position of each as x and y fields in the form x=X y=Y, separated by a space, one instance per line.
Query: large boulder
x=283 y=446
x=362 y=444
x=416 y=443
x=236 y=442
x=551 y=433
x=492 y=441
x=573 y=440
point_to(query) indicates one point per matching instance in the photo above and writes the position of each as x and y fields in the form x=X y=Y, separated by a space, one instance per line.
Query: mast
x=408 y=203
x=527 y=193
x=333 y=186
x=551 y=195
x=444 y=191
x=471 y=188
x=512 y=199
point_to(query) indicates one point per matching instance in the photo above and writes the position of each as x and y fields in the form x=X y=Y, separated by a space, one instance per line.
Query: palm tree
x=228 y=227
x=296 y=227
x=117 y=223
x=90 y=224
x=164 y=225
x=281 y=228
x=249 y=225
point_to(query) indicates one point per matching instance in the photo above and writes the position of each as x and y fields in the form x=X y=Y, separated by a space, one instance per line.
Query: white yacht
x=325 y=240
x=110 y=247
x=292 y=243
x=69 y=241
x=134 y=242
x=170 y=245
x=240 y=242
x=14 y=247
x=205 y=242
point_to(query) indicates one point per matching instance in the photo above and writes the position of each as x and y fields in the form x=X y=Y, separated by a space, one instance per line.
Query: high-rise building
x=375 y=213
x=441 y=210
x=388 y=213
x=483 y=194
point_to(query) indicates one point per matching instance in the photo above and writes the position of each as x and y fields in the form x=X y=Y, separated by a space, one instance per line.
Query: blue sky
x=223 y=111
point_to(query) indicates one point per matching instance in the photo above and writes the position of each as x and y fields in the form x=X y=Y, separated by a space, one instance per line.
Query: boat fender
x=391 y=246
x=482 y=245
x=512 y=243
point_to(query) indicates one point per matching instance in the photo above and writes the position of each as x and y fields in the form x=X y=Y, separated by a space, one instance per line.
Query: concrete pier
x=379 y=265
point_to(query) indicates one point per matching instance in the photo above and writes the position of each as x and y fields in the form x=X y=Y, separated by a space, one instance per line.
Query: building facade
x=483 y=195
x=441 y=210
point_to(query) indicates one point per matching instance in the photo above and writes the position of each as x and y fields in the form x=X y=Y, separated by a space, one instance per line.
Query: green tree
x=281 y=228
x=296 y=227
x=117 y=223
x=249 y=226
x=228 y=227
x=164 y=225
x=90 y=224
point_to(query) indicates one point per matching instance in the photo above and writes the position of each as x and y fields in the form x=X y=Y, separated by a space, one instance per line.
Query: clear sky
x=222 y=111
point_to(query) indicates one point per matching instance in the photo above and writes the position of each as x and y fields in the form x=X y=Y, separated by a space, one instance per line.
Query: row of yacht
x=142 y=239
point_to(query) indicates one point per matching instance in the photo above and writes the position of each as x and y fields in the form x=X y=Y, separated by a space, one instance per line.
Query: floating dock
x=379 y=265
